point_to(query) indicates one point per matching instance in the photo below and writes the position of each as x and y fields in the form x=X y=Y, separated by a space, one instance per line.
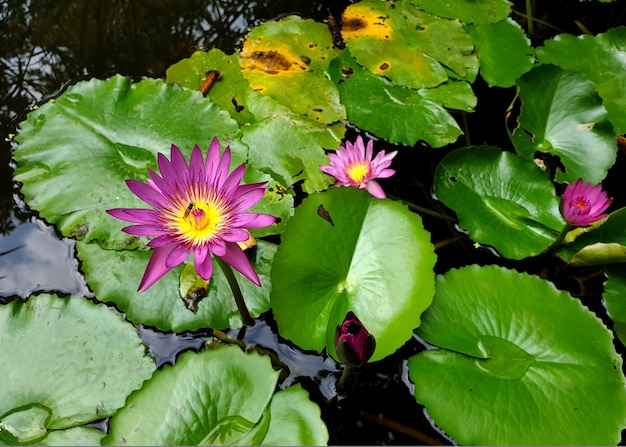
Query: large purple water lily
x=197 y=208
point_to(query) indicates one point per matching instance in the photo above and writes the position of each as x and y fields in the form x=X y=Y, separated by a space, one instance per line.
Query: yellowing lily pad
x=284 y=58
x=468 y=11
x=407 y=45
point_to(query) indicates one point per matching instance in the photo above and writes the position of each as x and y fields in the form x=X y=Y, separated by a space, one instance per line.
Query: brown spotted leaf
x=407 y=45
x=286 y=60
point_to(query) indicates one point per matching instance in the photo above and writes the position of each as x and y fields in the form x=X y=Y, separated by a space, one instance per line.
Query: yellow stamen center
x=581 y=204
x=200 y=221
x=358 y=171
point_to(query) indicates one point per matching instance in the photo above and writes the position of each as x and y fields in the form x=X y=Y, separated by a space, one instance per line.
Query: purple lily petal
x=204 y=267
x=156 y=268
x=375 y=189
x=177 y=256
x=147 y=193
x=237 y=259
x=135 y=215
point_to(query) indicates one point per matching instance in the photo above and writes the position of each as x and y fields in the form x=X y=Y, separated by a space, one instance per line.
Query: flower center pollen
x=358 y=171
x=202 y=221
x=581 y=204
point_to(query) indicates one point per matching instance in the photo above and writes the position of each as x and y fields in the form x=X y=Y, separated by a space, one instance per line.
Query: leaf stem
x=234 y=286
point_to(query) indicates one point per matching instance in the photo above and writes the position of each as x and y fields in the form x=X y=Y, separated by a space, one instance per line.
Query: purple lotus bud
x=353 y=343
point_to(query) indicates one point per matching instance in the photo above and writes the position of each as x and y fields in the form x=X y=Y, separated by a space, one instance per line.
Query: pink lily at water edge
x=197 y=208
x=583 y=203
x=353 y=165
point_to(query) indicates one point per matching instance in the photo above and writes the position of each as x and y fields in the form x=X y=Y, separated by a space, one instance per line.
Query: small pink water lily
x=583 y=204
x=353 y=165
x=197 y=208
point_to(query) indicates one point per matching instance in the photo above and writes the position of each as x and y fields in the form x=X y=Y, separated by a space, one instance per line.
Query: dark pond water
x=46 y=45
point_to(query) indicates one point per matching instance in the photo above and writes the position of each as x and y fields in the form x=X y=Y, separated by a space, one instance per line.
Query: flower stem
x=559 y=240
x=347 y=370
x=234 y=286
x=529 y=16
x=421 y=209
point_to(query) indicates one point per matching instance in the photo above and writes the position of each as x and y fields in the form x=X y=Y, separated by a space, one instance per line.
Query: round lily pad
x=600 y=59
x=76 y=152
x=562 y=115
x=399 y=114
x=517 y=362
x=286 y=57
x=64 y=362
x=503 y=200
x=219 y=396
x=504 y=51
x=468 y=11
x=345 y=250
x=602 y=243
x=380 y=35
x=114 y=276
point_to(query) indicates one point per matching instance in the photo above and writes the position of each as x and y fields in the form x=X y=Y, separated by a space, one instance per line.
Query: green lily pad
x=295 y=420
x=468 y=11
x=64 y=362
x=601 y=60
x=228 y=92
x=532 y=367
x=287 y=57
x=562 y=115
x=282 y=143
x=381 y=34
x=114 y=277
x=76 y=152
x=398 y=114
x=219 y=396
x=74 y=436
x=504 y=51
x=371 y=256
x=288 y=147
x=614 y=298
x=599 y=245
x=503 y=200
